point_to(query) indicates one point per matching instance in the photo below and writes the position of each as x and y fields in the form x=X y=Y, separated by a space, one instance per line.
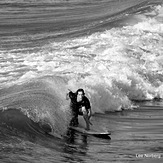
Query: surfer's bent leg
x=74 y=120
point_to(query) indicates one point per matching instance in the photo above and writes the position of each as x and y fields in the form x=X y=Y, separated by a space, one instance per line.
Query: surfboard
x=100 y=134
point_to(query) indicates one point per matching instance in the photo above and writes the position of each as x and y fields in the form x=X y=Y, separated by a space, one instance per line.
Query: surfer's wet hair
x=80 y=90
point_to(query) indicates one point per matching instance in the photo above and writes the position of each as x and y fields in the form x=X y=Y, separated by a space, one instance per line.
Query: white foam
x=112 y=66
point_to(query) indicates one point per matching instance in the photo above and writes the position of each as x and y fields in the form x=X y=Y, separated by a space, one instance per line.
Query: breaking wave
x=114 y=67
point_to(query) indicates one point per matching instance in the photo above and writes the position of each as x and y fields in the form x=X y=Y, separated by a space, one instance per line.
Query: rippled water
x=133 y=133
x=112 y=49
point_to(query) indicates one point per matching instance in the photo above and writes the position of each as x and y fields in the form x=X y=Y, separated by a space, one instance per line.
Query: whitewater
x=111 y=49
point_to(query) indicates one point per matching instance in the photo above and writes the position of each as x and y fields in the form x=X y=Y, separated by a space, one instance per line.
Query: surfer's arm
x=67 y=96
x=70 y=95
x=89 y=112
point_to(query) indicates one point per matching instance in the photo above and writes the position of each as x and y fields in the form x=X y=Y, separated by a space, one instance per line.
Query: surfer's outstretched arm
x=67 y=96
x=70 y=95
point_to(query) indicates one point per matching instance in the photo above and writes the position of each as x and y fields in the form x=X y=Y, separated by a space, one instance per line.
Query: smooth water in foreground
x=136 y=136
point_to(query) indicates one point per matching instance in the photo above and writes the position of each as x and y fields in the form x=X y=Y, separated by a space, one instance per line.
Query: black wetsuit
x=75 y=107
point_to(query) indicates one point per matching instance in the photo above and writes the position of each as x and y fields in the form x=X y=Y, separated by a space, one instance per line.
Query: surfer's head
x=80 y=93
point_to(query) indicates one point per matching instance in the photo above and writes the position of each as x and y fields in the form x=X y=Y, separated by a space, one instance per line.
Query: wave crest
x=40 y=100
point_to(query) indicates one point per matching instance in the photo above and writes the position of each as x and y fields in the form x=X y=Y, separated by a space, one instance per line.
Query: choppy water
x=112 y=49
x=136 y=136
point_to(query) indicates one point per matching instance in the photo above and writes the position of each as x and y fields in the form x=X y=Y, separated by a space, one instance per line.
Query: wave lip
x=37 y=103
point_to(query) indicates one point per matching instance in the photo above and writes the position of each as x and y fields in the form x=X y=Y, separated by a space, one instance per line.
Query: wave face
x=38 y=105
x=112 y=49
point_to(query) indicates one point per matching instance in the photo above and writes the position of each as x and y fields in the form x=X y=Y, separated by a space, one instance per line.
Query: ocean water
x=112 y=49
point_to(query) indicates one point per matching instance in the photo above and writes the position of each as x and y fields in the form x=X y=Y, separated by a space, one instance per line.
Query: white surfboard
x=91 y=132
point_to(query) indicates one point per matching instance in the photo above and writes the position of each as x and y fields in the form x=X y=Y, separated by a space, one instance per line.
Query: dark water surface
x=136 y=136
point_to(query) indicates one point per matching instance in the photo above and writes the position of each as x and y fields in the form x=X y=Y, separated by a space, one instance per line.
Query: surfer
x=79 y=105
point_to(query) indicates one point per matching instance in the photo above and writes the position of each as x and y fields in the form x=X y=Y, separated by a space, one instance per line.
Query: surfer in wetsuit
x=79 y=105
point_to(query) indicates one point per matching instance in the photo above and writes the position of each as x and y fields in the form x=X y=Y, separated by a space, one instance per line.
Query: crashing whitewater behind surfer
x=114 y=67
